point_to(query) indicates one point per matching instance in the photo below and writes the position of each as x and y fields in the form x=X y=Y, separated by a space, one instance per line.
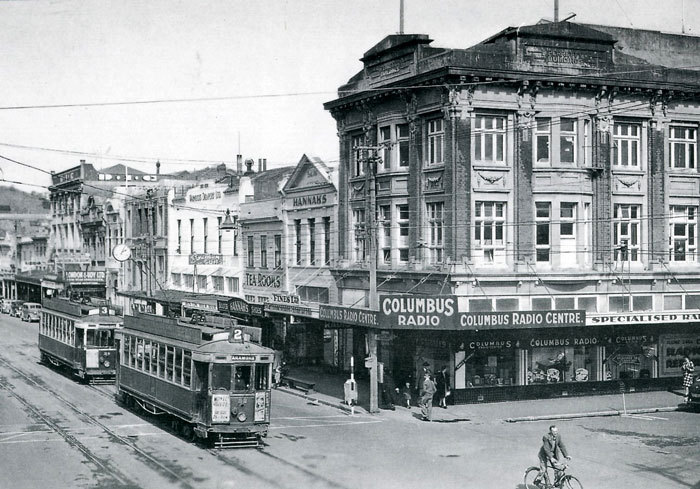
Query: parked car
x=16 y=308
x=7 y=305
x=31 y=311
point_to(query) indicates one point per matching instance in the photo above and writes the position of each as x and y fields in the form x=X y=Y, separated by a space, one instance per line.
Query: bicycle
x=562 y=480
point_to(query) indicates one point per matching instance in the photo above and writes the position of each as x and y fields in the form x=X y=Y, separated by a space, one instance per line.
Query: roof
x=122 y=169
x=555 y=30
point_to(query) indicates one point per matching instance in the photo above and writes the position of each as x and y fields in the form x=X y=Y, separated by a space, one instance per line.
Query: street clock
x=121 y=252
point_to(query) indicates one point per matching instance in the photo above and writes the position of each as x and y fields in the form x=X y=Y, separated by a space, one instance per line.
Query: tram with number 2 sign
x=80 y=336
x=212 y=383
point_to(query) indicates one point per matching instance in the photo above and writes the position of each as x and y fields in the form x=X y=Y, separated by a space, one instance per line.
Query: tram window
x=146 y=356
x=169 y=362
x=241 y=380
x=221 y=376
x=153 y=355
x=161 y=361
x=139 y=353
x=201 y=377
x=132 y=352
x=262 y=376
x=79 y=337
x=178 y=365
x=187 y=368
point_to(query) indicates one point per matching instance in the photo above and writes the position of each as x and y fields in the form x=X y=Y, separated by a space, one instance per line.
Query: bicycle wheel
x=529 y=480
x=570 y=482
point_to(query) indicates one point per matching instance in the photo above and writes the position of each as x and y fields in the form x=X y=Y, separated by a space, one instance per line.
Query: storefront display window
x=561 y=364
x=633 y=360
x=491 y=368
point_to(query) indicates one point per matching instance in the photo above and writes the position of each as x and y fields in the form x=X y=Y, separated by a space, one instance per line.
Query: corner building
x=547 y=180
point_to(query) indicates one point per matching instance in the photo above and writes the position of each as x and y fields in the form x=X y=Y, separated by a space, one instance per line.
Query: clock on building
x=121 y=252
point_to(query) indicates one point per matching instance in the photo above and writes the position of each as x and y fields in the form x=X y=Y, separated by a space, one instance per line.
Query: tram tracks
x=72 y=440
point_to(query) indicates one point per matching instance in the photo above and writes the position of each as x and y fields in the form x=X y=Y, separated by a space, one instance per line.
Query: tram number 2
x=236 y=335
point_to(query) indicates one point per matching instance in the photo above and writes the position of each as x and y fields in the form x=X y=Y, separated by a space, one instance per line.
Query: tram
x=212 y=382
x=80 y=337
x=694 y=399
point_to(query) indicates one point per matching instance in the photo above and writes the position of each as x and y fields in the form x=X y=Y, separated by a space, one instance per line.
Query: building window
x=402 y=137
x=205 y=229
x=176 y=278
x=626 y=144
x=251 y=252
x=436 y=136
x=385 y=236
x=263 y=251
x=567 y=234
x=385 y=144
x=543 y=132
x=312 y=241
x=191 y=236
x=312 y=294
x=189 y=280
x=489 y=231
x=543 y=217
x=217 y=283
x=489 y=139
x=201 y=282
x=297 y=241
x=179 y=236
x=358 y=228
x=356 y=160
x=394 y=143
x=327 y=240
x=683 y=141
x=435 y=231
x=232 y=284
x=278 y=251
x=402 y=221
x=682 y=234
x=626 y=227
x=567 y=141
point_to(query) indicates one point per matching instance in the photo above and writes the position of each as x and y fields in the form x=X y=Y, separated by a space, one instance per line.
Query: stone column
x=524 y=212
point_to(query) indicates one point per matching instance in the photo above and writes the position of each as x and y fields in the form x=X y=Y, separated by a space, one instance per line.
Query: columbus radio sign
x=416 y=312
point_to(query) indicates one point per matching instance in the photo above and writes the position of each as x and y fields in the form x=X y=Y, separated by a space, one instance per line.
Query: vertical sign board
x=418 y=312
x=673 y=347
x=220 y=408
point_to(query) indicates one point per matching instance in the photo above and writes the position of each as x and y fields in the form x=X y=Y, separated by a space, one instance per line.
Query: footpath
x=329 y=390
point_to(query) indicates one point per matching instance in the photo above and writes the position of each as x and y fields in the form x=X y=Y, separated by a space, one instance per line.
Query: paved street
x=55 y=432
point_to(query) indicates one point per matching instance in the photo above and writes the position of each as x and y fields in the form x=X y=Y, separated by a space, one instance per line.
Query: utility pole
x=371 y=160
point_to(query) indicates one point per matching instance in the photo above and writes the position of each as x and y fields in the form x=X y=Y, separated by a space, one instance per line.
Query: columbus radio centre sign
x=441 y=312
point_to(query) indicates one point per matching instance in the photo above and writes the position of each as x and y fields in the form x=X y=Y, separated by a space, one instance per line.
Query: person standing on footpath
x=688 y=369
x=427 y=392
x=442 y=384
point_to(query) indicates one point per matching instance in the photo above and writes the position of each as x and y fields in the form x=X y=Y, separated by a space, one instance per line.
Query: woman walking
x=688 y=369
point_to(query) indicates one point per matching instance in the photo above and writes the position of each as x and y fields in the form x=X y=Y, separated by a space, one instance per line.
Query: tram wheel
x=187 y=432
x=43 y=358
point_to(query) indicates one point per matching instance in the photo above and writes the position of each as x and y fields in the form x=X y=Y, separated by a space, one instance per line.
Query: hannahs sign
x=310 y=200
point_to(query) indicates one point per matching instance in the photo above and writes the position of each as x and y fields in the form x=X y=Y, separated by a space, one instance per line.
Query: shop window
x=673 y=302
x=626 y=144
x=589 y=304
x=541 y=304
x=480 y=305
x=692 y=302
x=561 y=364
x=564 y=303
x=683 y=142
x=629 y=361
x=507 y=304
x=491 y=368
x=642 y=303
x=489 y=139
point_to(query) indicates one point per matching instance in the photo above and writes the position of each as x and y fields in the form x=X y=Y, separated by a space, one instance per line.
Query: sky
x=192 y=82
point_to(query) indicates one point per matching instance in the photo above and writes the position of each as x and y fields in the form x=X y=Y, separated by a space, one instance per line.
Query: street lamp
x=228 y=224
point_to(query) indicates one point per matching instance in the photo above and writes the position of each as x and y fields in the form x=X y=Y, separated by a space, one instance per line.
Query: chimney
x=264 y=164
x=239 y=164
x=249 y=166
x=259 y=165
x=158 y=167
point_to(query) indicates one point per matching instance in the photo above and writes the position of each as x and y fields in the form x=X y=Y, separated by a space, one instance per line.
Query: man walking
x=426 y=397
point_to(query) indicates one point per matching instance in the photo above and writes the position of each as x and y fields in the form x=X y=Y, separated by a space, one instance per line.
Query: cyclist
x=552 y=447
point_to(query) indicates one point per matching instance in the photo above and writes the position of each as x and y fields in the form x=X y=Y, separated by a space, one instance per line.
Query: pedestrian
x=407 y=395
x=442 y=384
x=426 y=397
x=688 y=369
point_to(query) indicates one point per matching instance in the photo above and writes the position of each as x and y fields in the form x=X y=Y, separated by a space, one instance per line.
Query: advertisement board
x=672 y=348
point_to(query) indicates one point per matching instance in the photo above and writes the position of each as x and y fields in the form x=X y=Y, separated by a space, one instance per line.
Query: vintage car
x=31 y=311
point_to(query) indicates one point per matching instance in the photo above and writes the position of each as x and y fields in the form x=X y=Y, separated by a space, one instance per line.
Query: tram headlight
x=106 y=363
x=242 y=417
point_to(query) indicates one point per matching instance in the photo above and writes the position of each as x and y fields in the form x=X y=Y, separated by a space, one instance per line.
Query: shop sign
x=672 y=349
x=285 y=308
x=418 y=312
x=522 y=319
x=262 y=280
x=86 y=277
x=199 y=305
x=204 y=196
x=347 y=315
x=257 y=309
x=648 y=318
x=126 y=177
x=206 y=259
x=310 y=200
x=289 y=299
x=233 y=306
